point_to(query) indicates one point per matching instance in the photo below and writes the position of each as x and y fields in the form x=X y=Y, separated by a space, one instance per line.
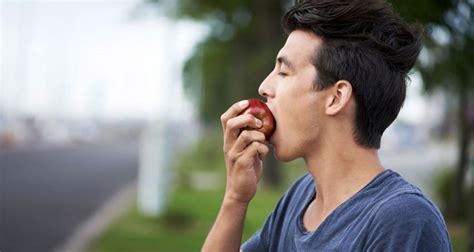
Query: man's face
x=290 y=93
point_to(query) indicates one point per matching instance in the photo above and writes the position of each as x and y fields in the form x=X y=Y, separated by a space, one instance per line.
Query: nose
x=266 y=89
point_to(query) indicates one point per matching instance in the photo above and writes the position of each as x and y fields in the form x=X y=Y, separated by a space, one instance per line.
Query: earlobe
x=340 y=96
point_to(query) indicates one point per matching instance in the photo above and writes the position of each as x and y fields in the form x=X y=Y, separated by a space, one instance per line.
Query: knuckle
x=223 y=117
x=245 y=134
x=260 y=135
x=256 y=135
x=239 y=162
x=252 y=135
x=249 y=118
x=254 y=145
x=232 y=158
x=230 y=123
x=266 y=148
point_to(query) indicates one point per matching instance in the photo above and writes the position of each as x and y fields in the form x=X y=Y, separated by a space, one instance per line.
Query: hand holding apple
x=260 y=110
x=245 y=148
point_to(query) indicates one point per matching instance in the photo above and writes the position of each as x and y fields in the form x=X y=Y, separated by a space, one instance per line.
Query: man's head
x=364 y=43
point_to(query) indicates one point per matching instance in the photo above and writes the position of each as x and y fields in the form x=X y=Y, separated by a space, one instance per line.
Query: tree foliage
x=236 y=56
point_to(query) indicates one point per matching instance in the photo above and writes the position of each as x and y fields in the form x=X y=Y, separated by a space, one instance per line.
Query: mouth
x=270 y=140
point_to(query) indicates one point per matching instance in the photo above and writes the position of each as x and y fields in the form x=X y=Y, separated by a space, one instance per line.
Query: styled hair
x=366 y=43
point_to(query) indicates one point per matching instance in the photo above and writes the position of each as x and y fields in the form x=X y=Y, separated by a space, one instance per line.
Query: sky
x=92 y=59
x=84 y=59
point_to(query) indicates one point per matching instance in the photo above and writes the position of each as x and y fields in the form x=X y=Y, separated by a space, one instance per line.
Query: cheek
x=293 y=101
x=295 y=131
x=302 y=124
x=296 y=116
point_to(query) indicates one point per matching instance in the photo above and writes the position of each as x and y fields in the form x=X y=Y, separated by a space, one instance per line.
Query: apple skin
x=260 y=110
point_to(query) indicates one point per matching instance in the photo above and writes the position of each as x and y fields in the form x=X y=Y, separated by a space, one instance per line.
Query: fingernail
x=259 y=123
x=243 y=103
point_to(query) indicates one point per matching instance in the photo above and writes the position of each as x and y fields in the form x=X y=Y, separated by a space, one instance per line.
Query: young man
x=338 y=83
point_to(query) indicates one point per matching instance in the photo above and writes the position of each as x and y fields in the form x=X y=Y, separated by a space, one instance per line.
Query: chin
x=281 y=151
x=283 y=156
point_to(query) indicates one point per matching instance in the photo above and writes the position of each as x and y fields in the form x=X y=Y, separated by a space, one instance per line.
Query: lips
x=275 y=116
x=272 y=137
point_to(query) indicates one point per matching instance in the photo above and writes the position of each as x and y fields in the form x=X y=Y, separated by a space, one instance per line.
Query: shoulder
x=408 y=206
x=405 y=214
x=398 y=198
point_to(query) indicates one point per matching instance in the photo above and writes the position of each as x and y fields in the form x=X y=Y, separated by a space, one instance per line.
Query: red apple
x=260 y=110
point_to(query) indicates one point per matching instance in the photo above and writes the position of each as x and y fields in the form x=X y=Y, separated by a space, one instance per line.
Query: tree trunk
x=471 y=232
x=271 y=172
x=457 y=203
x=471 y=211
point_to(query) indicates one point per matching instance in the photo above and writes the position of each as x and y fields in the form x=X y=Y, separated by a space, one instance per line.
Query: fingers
x=246 y=138
x=255 y=149
x=262 y=152
x=233 y=111
x=244 y=150
x=235 y=126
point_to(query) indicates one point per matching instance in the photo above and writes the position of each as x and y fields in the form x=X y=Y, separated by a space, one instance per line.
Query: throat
x=317 y=212
x=313 y=216
x=328 y=198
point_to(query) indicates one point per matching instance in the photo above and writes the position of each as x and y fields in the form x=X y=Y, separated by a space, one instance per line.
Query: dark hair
x=366 y=43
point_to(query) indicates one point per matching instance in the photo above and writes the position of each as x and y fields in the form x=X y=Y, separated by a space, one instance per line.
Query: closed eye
x=283 y=74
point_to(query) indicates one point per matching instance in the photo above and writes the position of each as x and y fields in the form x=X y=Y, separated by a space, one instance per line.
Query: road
x=45 y=194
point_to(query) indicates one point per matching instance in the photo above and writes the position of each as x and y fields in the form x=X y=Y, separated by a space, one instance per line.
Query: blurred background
x=109 y=119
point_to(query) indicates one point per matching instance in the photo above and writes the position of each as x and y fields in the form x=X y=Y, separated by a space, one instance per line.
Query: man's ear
x=339 y=96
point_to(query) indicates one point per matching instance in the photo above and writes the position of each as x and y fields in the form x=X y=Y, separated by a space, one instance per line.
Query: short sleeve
x=254 y=244
x=266 y=238
x=408 y=222
x=260 y=240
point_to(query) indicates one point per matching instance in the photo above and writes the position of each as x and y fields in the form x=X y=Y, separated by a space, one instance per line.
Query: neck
x=340 y=171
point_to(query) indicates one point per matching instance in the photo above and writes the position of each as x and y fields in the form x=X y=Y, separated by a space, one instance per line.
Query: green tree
x=235 y=57
x=449 y=66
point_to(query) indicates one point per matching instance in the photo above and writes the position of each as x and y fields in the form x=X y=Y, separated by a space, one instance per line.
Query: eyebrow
x=284 y=60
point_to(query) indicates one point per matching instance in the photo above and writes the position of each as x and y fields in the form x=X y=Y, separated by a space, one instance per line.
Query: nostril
x=262 y=92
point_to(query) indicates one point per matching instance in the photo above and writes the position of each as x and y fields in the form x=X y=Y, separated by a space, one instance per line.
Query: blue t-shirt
x=388 y=214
